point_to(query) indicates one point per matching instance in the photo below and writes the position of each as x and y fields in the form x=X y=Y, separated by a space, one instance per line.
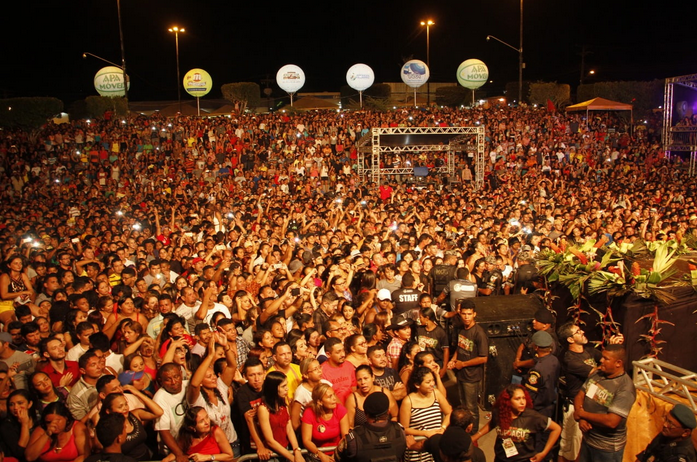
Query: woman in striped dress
x=424 y=412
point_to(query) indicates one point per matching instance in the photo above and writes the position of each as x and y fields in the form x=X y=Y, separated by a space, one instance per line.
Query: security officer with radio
x=380 y=439
x=674 y=443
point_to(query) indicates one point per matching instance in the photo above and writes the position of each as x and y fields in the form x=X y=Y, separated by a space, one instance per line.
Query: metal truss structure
x=661 y=380
x=371 y=144
x=679 y=138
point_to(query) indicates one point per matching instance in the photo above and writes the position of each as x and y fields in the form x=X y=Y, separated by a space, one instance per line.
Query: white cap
x=384 y=294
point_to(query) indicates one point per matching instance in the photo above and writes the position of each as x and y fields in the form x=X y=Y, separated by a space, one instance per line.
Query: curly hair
x=418 y=375
x=503 y=405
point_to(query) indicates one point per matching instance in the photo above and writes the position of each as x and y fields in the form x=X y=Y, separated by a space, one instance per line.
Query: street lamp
x=521 y=65
x=86 y=54
x=176 y=31
x=428 y=23
x=123 y=59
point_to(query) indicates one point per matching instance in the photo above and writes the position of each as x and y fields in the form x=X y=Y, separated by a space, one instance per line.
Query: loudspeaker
x=507 y=321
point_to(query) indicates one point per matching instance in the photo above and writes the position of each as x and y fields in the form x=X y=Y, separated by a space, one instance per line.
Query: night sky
x=43 y=42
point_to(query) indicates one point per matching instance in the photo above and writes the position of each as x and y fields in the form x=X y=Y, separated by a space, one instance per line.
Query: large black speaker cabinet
x=507 y=320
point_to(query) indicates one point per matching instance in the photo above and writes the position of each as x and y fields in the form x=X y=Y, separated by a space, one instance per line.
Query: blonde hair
x=317 y=395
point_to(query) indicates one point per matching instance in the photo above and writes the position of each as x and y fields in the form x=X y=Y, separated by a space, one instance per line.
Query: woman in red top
x=59 y=437
x=274 y=418
x=324 y=422
x=200 y=440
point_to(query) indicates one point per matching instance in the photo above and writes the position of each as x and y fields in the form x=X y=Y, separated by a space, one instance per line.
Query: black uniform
x=383 y=441
x=457 y=289
x=541 y=382
x=441 y=275
x=662 y=449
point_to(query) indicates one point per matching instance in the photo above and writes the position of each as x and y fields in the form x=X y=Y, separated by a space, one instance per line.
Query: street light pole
x=176 y=31
x=123 y=58
x=86 y=54
x=520 y=63
x=520 y=58
x=428 y=25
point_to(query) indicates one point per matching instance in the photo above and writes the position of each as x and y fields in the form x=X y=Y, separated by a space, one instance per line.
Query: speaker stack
x=507 y=321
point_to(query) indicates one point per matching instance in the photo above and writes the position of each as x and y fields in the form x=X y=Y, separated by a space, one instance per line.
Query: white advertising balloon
x=290 y=78
x=472 y=74
x=109 y=81
x=360 y=77
x=415 y=73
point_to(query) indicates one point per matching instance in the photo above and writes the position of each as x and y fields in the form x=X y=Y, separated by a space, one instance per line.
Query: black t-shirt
x=405 y=301
x=577 y=367
x=522 y=432
x=471 y=343
x=245 y=399
x=388 y=379
x=432 y=342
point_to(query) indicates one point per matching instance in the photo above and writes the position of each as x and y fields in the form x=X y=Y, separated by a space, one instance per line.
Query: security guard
x=674 y=443
x=379 y=439
x=541 y=380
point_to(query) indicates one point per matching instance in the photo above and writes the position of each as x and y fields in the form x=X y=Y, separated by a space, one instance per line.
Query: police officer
x=541 y=380
x=442 y=274
x=674 y=443
x=543 y=320
x=457 y=289
x=379 y=439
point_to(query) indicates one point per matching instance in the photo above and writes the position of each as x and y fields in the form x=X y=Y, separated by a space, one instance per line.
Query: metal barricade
x=254 y=456
x=660 y=379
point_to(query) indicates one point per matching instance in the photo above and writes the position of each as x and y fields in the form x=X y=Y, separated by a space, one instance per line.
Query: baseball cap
x=400 y=323
x=544 y=316
x=376 y=404
x=384 y=294
x=542 y=339
x=5 y=337
x=684 y=415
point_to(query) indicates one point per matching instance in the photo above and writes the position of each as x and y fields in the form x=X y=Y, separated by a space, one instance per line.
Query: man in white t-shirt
x=170 y=397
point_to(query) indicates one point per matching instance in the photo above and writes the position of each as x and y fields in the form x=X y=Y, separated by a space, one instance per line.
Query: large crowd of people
x=202 y=288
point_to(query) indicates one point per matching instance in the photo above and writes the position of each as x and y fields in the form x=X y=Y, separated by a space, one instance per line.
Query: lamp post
x=123 y=58
x=428 y=23
x=519 y=50
x=176 y=31
x=520 y=64
x=86 y=54
x=520 y=58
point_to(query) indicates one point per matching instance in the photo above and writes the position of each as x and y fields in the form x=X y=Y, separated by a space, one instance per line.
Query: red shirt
x=55 y=376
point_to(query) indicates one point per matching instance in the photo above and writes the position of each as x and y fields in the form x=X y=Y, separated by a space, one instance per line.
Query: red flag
x=550 y=106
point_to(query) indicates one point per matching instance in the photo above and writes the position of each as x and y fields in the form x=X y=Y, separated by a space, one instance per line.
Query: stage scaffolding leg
x=693 y=161
x=667 y=117
x=375 y=159
x=479 y=160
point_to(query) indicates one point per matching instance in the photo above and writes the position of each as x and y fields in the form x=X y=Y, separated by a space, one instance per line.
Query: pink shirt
x=343 y=378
